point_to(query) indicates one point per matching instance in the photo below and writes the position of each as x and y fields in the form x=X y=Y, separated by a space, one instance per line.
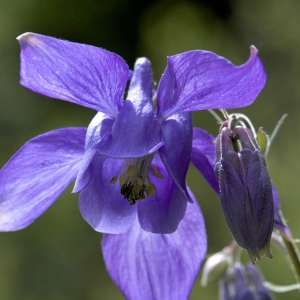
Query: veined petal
x=83 y=176
x=177 y=137
x=134 y=134
x=278 y=221
x=98 y=131
x=136 y=131
x=199 y=80
x=147 y=266
x=204 y=155
x=37 y=174
x=101 y=203
x=78 y=73
x=141 y=86
x=162 y=212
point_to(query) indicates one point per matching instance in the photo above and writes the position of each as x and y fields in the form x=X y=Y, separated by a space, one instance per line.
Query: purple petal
x=78 y=73
x=204 y=155
x=162 y=212
x=199 y=80
x=278 y=221
x=177 y=137
x=37 y=174
x=141 y=85
x=98 y=131
x=83 y=176
x=147 y=266
x=136 y=131
x=134 y=134
x=101 y=203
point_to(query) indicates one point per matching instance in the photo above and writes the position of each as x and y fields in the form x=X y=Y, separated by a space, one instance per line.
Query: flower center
x=134 y=182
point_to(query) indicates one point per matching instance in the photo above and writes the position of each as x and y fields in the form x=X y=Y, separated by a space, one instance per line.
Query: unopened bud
x=245 y=189
x=243 y=283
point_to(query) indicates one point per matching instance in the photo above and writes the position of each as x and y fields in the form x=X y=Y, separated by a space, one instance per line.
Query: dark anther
x=133 y=192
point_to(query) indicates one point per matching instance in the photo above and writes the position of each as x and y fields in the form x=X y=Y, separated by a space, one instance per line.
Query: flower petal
x=278 y=221
x=78 y=73
x=37 y=174
x=162 y=212
x=177 y=137
x=101 y=203
x=134 y=134
x=140 y=91
x=204 y=155
x=199 y=80
x=98 y=131
x=83 y=176
x=136 y=131
x=147 y=266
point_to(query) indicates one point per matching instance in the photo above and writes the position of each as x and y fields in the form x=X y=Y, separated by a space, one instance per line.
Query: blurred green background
x=58 y=257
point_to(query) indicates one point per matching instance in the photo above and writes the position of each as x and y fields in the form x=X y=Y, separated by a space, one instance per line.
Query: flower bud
x=243 y=283
x=245 y=190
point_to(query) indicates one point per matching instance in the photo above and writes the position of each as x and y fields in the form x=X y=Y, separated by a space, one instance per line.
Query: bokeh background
x=58 y=257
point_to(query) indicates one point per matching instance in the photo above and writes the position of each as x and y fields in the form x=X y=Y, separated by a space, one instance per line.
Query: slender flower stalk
x=292 y=249
x=283 y=229
x=282 y=288
x=216 y=116
x=275 y=132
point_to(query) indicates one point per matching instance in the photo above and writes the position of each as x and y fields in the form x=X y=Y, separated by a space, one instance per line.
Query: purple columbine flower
x=130 y=164
x=243 y=283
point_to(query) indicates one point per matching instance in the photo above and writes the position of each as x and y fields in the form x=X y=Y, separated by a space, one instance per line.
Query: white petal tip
x=253 y=50
x=30 y=38
x=76 y=189
x=142 y=61
x=24 y=36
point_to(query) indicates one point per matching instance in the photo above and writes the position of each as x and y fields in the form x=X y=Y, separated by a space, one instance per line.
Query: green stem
x=275 y=132
x=277 y=127
x=282 y=288
x=294 y=255
x=292 y=250
x=216 y=116
x=224 y=113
